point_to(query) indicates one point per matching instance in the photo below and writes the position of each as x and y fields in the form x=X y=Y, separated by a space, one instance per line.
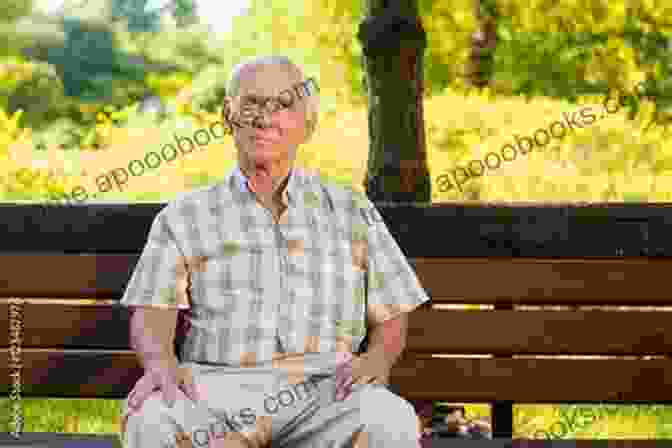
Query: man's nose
x=263 y=119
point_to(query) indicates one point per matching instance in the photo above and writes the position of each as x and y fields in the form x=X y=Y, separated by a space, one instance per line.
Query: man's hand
x=387 y=341
x=167 y=377
x=364 y=369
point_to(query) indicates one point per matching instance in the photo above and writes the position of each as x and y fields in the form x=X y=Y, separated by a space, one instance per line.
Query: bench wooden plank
x=534 y=380
x=58 y=440
x=480 y=229
x=75 y=373
x=631 y=281
x=98 y=374
x=430 y=330
x=65 y=275
x=58 y=325
x=540 y=332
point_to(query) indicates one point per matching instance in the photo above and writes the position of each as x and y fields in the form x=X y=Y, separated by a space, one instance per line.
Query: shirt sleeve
x=392 y=285
x=161 y=276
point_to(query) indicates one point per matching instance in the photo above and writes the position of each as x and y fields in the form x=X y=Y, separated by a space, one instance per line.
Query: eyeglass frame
x=308 y=86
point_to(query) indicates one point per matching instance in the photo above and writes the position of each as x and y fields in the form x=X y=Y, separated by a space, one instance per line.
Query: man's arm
x=153 y=335
x=387 y=340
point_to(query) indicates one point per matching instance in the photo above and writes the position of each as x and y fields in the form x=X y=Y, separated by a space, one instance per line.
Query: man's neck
x=266 y=182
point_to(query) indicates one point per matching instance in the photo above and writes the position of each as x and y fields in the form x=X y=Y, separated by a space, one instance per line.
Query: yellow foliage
x=605 y=161
x=449 y=26
x=10 y=125
x=167 y=85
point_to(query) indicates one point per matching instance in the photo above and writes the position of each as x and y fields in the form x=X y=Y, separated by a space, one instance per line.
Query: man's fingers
x=168 y=390
x=342 y=379
x=140 y=393
x=343 y=390
x=366 y=380
x=189 y=387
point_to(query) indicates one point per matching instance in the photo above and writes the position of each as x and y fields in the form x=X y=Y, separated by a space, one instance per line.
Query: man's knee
x=387 y=411
x=152 y=413
x=149 y=412
x=142 y=427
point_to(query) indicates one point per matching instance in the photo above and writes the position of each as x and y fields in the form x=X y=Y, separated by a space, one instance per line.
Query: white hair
x=312 y=100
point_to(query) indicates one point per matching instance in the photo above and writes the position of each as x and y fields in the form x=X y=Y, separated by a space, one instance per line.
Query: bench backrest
x=74 y=349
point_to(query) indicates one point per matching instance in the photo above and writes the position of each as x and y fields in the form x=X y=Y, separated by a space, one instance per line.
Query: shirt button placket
x=283 y=329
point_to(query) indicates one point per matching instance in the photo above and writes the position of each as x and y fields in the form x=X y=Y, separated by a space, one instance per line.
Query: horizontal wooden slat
x=482 y=229
x=430 y=331
x=75 y=373
x=631 y=281
x=96 y=374
x=540 y=332
x=534 y=380
x=65 y=275
x=51 y=325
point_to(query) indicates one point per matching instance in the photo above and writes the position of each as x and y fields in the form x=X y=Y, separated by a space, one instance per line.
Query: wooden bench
x=504 y=257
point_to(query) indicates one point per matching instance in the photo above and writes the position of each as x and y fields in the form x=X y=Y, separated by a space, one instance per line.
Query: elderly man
x=281 y=275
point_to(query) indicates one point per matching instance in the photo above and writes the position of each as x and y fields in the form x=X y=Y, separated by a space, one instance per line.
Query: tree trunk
x=393 y=41
x=483 y=43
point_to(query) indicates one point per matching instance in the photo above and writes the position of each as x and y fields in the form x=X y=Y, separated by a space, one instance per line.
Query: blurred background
x=86 y=86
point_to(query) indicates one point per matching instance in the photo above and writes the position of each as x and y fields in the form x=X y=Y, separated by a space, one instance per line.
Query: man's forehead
x=267 y=80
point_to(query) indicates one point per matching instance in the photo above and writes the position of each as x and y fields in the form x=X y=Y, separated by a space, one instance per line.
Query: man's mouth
x=265 y=139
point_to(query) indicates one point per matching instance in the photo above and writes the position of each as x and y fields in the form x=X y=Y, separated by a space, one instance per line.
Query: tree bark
x=483 y=43
x=393 y=41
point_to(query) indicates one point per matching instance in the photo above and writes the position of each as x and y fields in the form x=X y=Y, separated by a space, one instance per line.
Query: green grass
x=554 y=421
x=584 y=421
x=66 y=416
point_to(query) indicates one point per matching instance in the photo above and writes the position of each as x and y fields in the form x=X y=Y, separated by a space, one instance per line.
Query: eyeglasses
x=251 y=107
x=285 y=100
x=257 y=104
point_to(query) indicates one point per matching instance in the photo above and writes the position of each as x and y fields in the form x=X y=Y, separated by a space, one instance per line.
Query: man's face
x=281 y=127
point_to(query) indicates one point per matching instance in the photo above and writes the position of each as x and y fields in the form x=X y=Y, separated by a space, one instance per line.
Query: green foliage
x=561 y=49
x=135 y=12
x=577 y=48
x=201 y=180
x=544 y=63
x=89 y=62
x=190 y=49
x=449 y=25
x=10 y=10
x=209 y=89
x=41 y=99
x=185 y=12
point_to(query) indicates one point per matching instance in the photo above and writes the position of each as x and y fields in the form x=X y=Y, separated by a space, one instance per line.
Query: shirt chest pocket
x=229 y=271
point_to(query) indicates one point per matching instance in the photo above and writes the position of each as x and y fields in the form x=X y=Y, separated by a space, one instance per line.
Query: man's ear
x=226 y=113
x=310 y=130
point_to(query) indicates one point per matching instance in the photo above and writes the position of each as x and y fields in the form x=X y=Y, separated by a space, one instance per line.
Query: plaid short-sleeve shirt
x=253 y=288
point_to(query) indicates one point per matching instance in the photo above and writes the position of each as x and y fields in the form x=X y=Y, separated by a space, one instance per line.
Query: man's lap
x=263 y=402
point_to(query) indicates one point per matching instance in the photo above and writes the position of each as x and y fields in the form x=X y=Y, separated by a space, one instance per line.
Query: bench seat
x=549 y=330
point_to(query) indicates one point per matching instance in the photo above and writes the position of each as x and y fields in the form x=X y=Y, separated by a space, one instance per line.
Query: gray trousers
x=260 y=403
